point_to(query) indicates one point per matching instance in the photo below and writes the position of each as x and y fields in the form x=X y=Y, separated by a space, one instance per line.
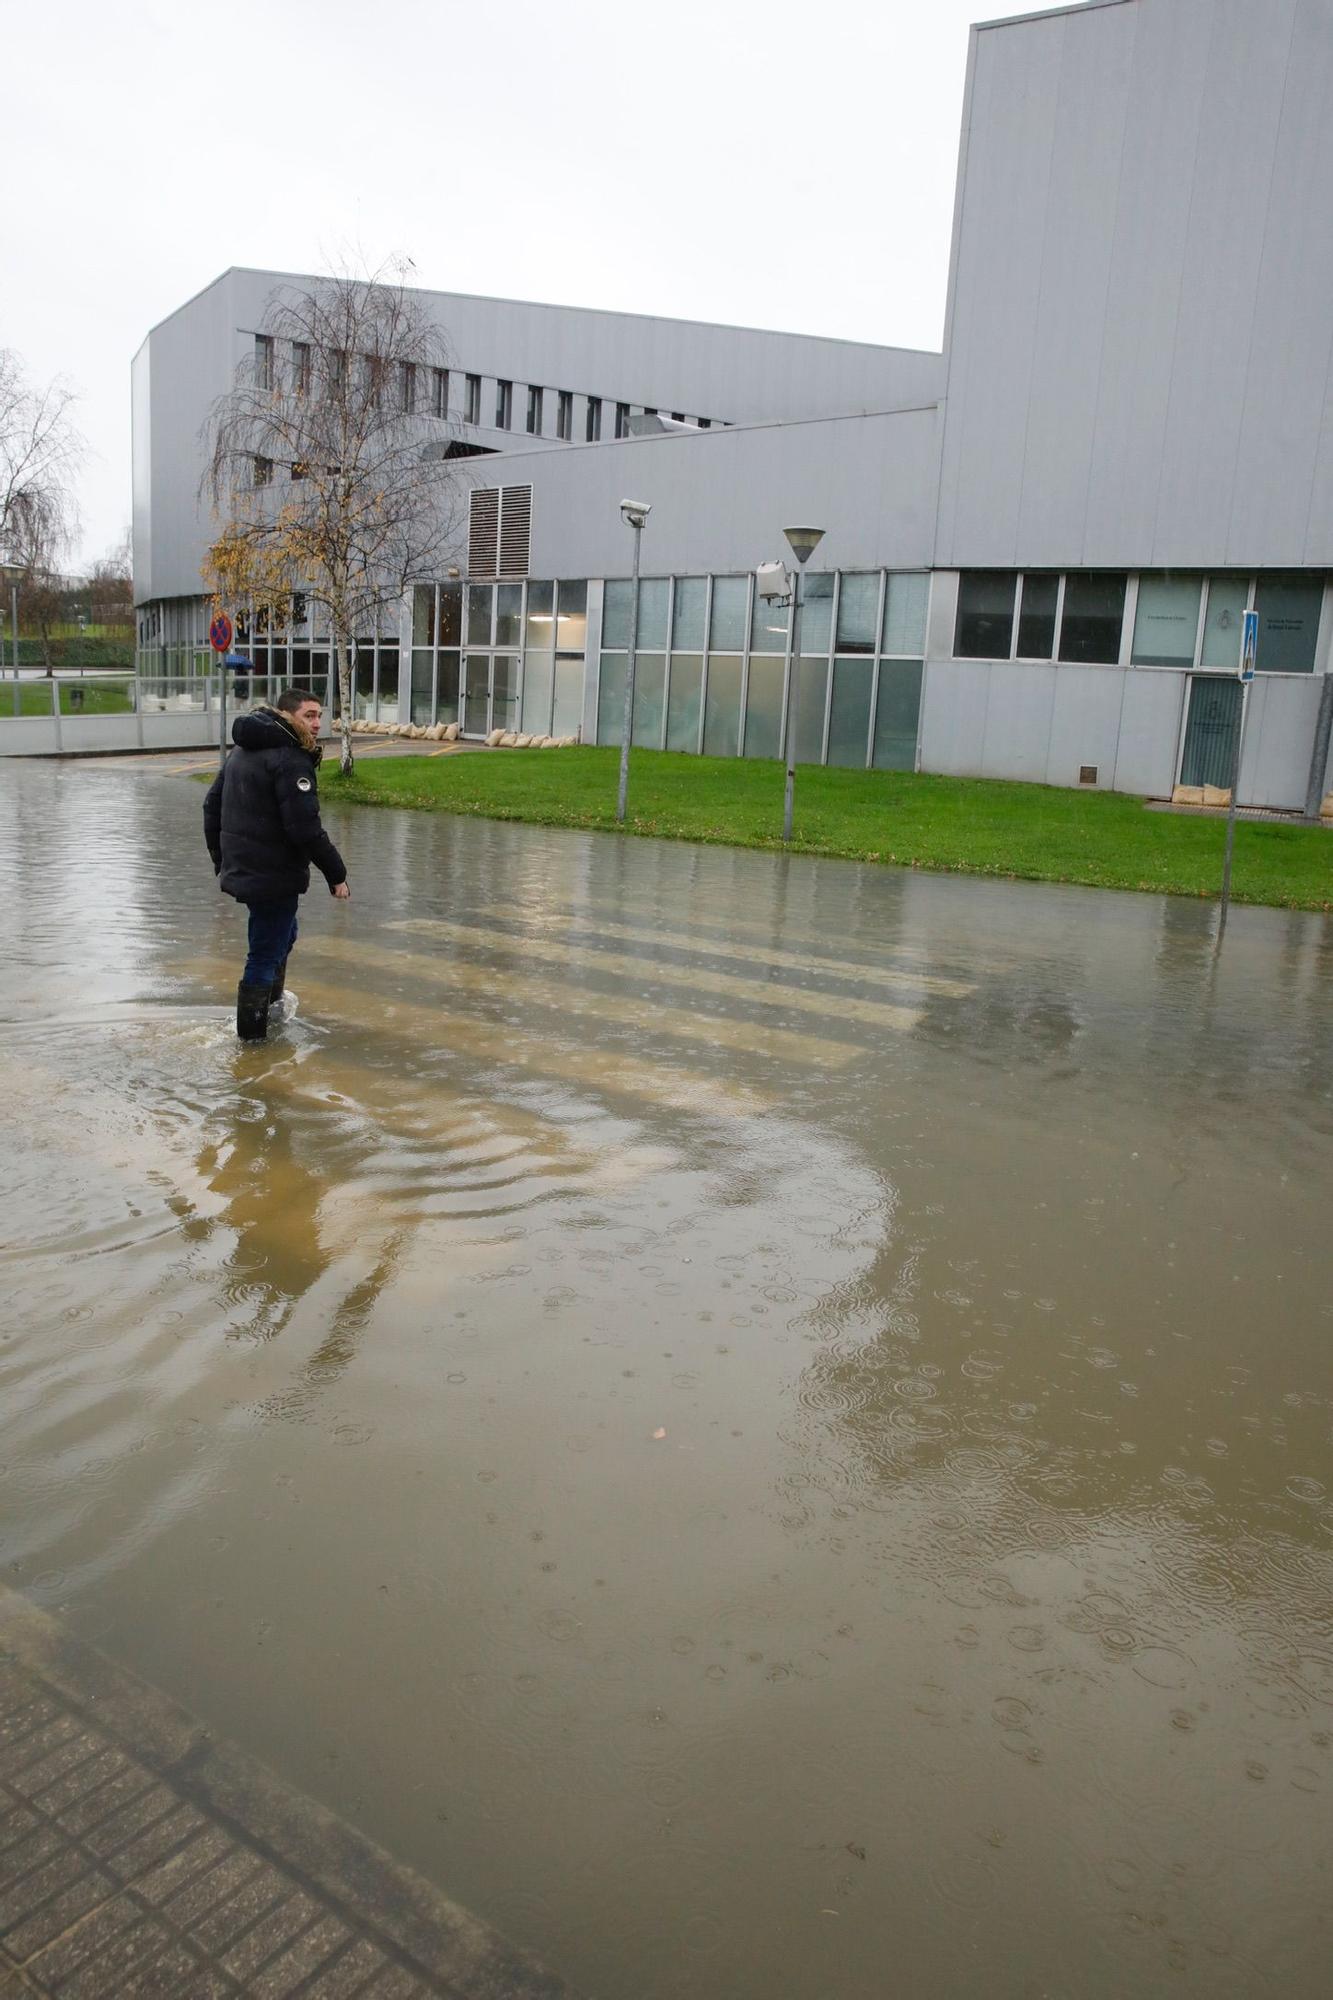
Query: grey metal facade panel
x=1018 y=721
x=1084 y=724
x=955 y=697
x=1279 y=733
x=1150 y=718
x=1141 y=321
x=720 y=501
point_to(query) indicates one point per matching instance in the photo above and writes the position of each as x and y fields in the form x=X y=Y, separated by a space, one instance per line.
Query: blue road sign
x=1249 y=645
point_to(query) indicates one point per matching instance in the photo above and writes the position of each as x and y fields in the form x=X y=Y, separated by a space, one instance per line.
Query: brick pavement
x=140 y=1856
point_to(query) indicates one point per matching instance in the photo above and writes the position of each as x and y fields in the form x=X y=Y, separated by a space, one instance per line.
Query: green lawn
x=100 y=697
x=970 y=825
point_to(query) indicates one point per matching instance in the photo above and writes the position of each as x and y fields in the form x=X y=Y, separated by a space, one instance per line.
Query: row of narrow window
x=426 y=391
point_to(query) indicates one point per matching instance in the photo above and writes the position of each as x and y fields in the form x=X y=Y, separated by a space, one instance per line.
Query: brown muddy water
x=765 y=1424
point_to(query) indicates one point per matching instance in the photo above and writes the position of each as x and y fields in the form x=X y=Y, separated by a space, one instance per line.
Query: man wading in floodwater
x=262 y=825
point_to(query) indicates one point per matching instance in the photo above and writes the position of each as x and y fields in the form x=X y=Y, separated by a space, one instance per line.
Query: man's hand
x=343 y=892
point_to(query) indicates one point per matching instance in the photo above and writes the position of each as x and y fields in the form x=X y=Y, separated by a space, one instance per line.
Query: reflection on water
x=765 y=1423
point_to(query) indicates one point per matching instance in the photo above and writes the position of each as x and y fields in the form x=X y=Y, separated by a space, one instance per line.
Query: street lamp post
x=803 y=542
x=635 y=512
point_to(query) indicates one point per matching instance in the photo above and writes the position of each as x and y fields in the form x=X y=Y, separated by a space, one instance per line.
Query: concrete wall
x=1140 y=327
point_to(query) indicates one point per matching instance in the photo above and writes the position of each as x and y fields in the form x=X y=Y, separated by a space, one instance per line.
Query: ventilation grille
x=515 y=530
x=483 y=531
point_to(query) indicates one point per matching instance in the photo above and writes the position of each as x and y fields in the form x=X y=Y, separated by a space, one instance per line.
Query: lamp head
x=635 y=512
x=803 y=542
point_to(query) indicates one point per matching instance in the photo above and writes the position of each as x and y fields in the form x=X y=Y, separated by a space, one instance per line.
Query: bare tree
x=327 y=466
x=40 y=451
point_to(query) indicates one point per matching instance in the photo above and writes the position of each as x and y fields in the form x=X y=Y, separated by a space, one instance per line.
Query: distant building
x=1039 y=542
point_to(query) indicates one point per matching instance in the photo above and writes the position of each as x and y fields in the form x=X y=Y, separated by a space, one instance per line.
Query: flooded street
x=766 y=1424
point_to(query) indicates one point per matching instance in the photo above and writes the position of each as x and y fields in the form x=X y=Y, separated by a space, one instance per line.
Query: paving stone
x=203 y=1851
x=32 y=1745
x=110 y=1967
x=25 y=1717
x=87 y=1778
x=269 y=1936
x=395 y=1984
x=91 y=1808
x=156 y=1844
x=313 y=1949
x=188 y=1906
x=348 y=1974
x=37 y=1846
x=17 y=1821
x=97 y=1933
x=36 y=1779
x=21 y=1898
x=218 y=1931
x=58 y=1914
x=109 y=1835
x=176 y=1975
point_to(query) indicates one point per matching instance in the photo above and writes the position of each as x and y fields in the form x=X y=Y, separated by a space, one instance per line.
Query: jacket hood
x=267 y=729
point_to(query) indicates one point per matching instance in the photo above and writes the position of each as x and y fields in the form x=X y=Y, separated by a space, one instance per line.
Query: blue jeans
x=272 y=935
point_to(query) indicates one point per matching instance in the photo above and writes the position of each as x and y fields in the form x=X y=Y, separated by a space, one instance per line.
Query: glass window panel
x=479 y=597
x=538 y=684
x=423 y=613
x=388 y=709
x=858 y=614
x=763 y=705
x=476 y=694
x=363 y=686
x=615 y=614
x=649 y=699
x=731 y=604
x=653 y=595
x=541 y=617
x=722 y=710
x=450 y=631
x=1036 y=617
x=896 y=715
x=567 y=716
x=816 y=626
x=508 y=611
x=447 y=707
x=687 y=673
x=687 y=618
x=811 y=697
x=504 y=705
x=1288 y=608
x=422 y=670
x=1093 y=615
x=769 y=634
x=906 y=595
x=1222 y=622
x=572 y=607
x=849 y=716
x=611 y=697
x=985 y=626
x=1166 y=621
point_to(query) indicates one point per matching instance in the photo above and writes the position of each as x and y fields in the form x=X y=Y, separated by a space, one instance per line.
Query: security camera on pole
x=635 y=513
x=774 y=582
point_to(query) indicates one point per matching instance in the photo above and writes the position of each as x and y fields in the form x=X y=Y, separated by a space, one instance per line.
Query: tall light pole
x=803 y=542
x=635 y=512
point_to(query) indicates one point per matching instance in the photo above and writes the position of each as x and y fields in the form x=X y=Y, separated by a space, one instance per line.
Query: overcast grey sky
x=783 y=164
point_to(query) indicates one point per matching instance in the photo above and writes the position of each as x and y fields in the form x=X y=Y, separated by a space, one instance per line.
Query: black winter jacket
x=261 y=816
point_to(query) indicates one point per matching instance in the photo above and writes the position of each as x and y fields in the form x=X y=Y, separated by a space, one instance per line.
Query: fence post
x=55 y=711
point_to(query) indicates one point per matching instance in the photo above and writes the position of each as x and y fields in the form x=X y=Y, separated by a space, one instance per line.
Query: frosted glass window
x=811 y=699
x=1227 y=598
x=906 y=595
x=571 y=634
x=687 y=673
x=816 y=627
x=615 y=614
x=769 y=634
x=1036 y=617
x=722 y=710
x=858 y=614
x=1166 y=623
x=896 y=715
x=654 y=592
x=763 y=706
x=985 y=627
x=849 y=716
x=479 y=614
x=508 y=611
x=538 y=678
x=541 y=617
x=1091 y=622
x=1288 y=608
x=567 y=714
x=649 y=699
x=731 y=604
x=687 y=619
x=611 y=697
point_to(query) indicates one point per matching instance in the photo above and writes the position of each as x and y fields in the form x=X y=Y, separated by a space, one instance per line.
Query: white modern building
x=1038 y=544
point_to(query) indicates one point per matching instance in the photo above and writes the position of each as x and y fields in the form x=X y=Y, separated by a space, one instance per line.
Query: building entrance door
x=476 y=694
x=1210 y=730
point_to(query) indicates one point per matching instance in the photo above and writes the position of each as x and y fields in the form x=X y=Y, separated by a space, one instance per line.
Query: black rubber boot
x=251 y=1012
x=276 y=990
